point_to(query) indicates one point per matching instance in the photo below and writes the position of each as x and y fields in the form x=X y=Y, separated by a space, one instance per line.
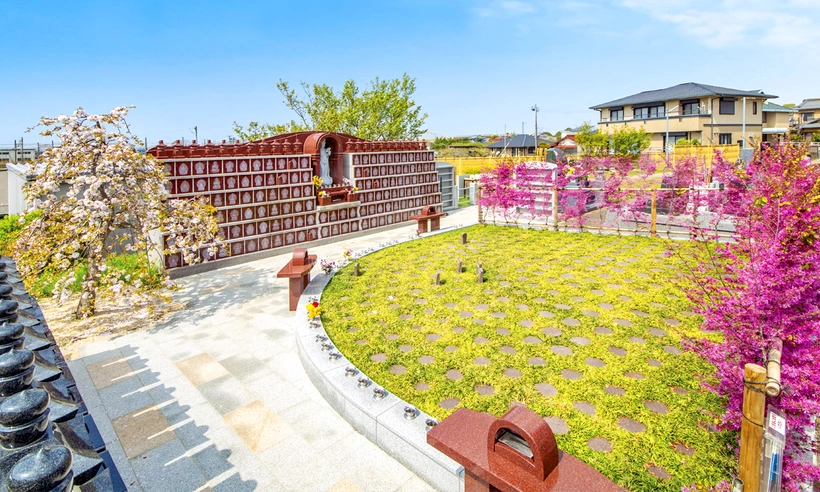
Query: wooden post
x=356 y=270
x=554 y=208
x=478 y=202
x=653 y=228
x=438 y=278
x=459 y=267
x=751 y=428
x=478 y=266
x=773 y=368
x=480 y=278
x=464 y=238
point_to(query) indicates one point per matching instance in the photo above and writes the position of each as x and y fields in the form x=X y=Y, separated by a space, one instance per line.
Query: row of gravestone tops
x=48 y=441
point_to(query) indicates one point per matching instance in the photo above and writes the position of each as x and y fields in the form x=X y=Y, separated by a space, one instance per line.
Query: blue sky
x=479 y=64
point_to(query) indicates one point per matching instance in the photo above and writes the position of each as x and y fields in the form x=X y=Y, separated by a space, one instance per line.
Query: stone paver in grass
x=600 y=444
x=558 y=425
x=585 y=407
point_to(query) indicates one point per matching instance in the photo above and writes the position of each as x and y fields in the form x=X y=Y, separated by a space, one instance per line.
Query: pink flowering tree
x=101 y=199
x=506 y=191
x=765 y=285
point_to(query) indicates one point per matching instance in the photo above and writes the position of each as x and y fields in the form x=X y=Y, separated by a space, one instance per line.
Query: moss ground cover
x=583 y=329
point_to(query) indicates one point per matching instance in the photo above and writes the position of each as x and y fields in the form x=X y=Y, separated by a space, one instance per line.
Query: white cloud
x=516 y=7
x=726 y=23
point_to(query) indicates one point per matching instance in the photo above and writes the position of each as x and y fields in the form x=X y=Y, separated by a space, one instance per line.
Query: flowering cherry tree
x=99 y=197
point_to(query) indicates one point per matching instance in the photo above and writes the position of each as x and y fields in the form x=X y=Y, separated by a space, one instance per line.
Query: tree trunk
x=88 y=295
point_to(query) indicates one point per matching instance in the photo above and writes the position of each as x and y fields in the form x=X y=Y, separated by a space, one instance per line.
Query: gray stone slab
x=167 y=468
x=125 y=397
x=226 y=393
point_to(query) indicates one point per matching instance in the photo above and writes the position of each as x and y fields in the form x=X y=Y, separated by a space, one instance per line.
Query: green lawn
x=581 y=327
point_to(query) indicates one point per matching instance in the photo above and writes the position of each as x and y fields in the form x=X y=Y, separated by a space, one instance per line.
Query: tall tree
x=385 y=110
x=100 y=197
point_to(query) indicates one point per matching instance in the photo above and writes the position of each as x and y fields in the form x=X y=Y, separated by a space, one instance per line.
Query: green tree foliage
x=385 y=110
x=591 y=141
x=624 y=141
x=815 y=137
x=687 y=143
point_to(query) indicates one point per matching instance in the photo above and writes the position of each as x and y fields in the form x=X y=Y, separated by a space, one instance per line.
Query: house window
x=656 y=111
x=640 y=113
x=765 y=116
x=727 y=105
x=690 y=107
x=808 y=117
x=616 y=114
x=724 y=138
x=754 y=107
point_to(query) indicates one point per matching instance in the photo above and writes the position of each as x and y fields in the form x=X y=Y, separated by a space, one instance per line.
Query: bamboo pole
x=653 y=228
x=773 y=368
x=554 y=209
x=751 y=428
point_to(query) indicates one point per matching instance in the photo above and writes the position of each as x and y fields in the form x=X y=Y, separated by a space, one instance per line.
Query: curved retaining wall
x=382 y=419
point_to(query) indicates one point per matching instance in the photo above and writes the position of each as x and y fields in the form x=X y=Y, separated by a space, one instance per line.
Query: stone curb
x=371 y=410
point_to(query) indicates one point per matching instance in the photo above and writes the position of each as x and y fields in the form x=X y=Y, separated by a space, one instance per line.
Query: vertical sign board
x=774 y=440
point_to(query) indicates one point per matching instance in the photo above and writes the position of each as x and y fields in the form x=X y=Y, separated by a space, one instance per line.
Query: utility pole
x=535 y=109
x=196 y=133
x=744 y=124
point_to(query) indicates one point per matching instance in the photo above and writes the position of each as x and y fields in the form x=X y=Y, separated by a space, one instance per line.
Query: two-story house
x=776 y=122
x=690 y=111
x=808 y=117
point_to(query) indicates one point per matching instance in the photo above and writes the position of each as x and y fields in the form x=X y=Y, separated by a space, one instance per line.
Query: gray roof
x=815 y=123
x=518 y=141
x=809 y=104
x=776 y=108
x=689 y=90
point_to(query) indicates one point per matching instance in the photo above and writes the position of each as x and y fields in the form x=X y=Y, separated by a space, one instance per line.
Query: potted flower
x=324 y=198
x=352 y=196
x=317 y=181
x=327 y=265
x=314 y=309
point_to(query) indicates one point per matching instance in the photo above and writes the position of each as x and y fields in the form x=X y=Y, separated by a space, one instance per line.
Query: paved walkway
x=215 y=398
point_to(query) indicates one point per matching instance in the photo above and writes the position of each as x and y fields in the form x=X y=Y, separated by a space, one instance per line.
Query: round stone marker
x=449 y=403
x=352 y=330
x=684 y=449
x=450 y=305
x=570 y=322
x=512 y=373
x=592 y=314
x=422 y=387
x=546 y=389
x=465 y=314
x=499 y=315
x=634 y=375
x=630 y=425
x=540 y=300
x=594 y=362
x=536 y=361
x=658 y=472
x=557 y=425
x=625 y=298
x=415 y=291
x=481 y=340
x=578 y=299
x=672 y=350
x=432 y=337
x=603 y=331
x=503 y=299
x=450 y=349
x=480 y=307
x=458 y=329
x=564 y=307
x=553 y=292
x=607 y=306
x=672 y=322
x=639 y=313
x=522 y=307
x=378 y=357
x=598 y=292
x=680 y=391
x=526 y=323
x=622 y=322
x=406 y=316
x=420 y=301
x=637 y=340
x=398 y=369
x=561 y=350
x=546 y=314
x=617 y=351
x=656 y=406
x=482 y=361
x=571 y=375
x=454 y=374
x=405 y=348
x=614 y=390
x=657 y=332
x=584 y=407
x=654 y=362
x=484 y=390
x=579 y=340
x=426 y=359
x=502 y=331
x=507 y=349
x=599 y=444
x=531 y=339
x=551 y=332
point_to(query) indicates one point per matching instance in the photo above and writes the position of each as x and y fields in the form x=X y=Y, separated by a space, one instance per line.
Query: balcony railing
x=692 y=112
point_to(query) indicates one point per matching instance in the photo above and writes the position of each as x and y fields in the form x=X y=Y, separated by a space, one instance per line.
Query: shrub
x=10 y=227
